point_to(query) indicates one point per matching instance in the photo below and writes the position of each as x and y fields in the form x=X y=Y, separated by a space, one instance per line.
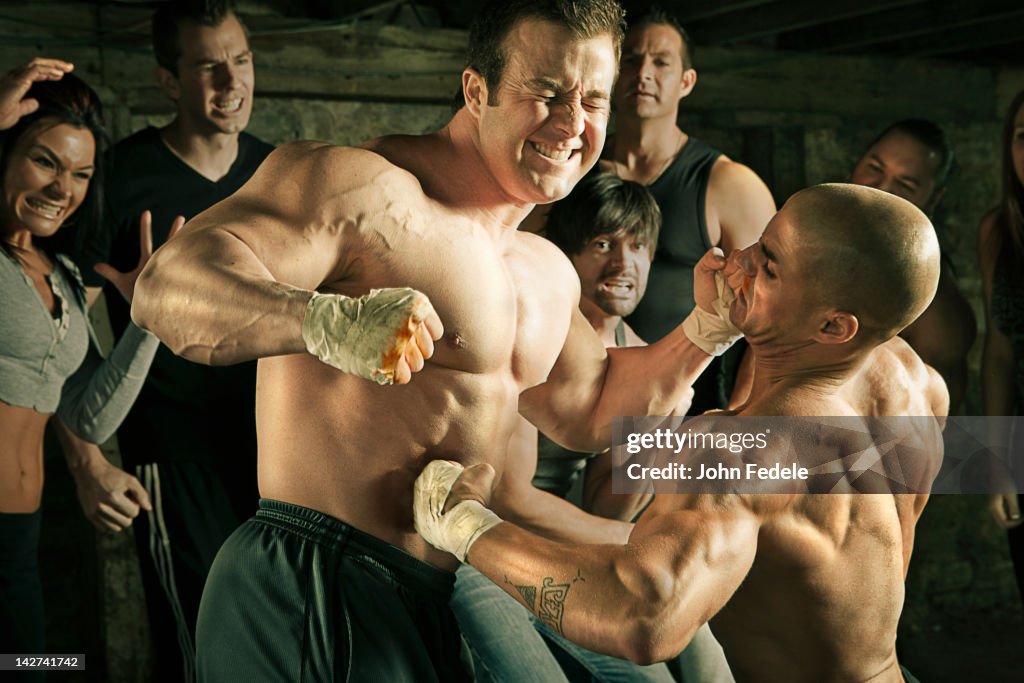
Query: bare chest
x=499 y=310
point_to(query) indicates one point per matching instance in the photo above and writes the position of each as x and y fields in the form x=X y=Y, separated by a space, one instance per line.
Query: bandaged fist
x=456 y=528
x=708 y=326
x=382 y=336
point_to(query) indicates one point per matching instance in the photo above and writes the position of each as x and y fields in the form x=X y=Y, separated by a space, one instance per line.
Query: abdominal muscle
x=21 y=458
x=344 y=446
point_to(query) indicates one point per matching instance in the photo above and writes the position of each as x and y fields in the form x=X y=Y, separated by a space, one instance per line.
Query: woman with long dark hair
x=50 y=174
x=1001 y=256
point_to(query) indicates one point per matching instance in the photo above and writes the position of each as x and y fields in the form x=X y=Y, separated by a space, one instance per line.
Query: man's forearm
x=648 y=380
x=562 y=584
x=211 y=301
x=553 y=518
x=597 y=596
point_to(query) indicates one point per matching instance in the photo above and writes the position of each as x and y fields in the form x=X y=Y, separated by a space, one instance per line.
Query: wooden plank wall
x=796 y=119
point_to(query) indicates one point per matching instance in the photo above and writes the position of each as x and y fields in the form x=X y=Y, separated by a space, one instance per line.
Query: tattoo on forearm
x=527 y=593
x=550 y=609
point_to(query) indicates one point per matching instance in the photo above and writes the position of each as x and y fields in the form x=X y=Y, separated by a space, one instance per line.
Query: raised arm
x=239 y=281
x=741 y=202
x=234 y=284
x=642 y=601
x=589 y=385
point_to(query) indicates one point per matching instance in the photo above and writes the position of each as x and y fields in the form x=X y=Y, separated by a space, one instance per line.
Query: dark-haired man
x=706 y=199
x=322 y=265
x=912 y=159
x=608 y=228
x=191 y=436
x=797 y=587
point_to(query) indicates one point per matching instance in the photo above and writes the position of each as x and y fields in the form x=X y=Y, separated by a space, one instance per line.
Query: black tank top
x=680 y=192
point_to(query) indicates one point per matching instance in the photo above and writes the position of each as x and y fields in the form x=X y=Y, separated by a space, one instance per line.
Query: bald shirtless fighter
x=289 y=270
x=800 y=587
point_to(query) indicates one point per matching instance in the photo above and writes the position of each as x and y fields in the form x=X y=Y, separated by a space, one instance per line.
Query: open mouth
x=617 y=287
x=552 y=153
x=47 y=209
x=228 y=107
x=742 y=291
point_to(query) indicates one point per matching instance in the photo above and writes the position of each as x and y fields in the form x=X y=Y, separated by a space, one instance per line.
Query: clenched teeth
x=229 y=106
x=44 y=207
x=551 y=152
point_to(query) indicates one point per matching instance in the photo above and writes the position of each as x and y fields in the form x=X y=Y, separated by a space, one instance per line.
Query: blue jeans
x=510 y=645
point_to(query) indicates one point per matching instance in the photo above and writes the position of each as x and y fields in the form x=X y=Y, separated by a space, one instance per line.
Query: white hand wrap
x=363 y=336
x=457 y=530
x=713 y=333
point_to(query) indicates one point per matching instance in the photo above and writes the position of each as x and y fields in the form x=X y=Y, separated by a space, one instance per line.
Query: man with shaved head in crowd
x=797 y=587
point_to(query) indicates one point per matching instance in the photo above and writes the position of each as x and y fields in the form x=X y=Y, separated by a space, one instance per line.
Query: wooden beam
x=898 y=24
x=688 y=12
x=733 y=79
x=1001 y=29
x=387 y=63
x=771 y=20
x=363 y=62
x=347 y=10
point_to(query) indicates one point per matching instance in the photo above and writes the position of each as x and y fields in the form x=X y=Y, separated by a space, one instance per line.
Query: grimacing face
x=774 y=302
x=47 y=177
x=613 y=269
x=215 y=81
x=548 y=126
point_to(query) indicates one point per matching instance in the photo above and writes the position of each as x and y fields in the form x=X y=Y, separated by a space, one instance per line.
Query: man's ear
x=688 y=83
x=168 y=82
x=839 y=327
x=474 y=90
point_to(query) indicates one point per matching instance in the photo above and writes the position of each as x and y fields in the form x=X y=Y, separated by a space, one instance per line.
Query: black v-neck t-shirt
x=185 y=411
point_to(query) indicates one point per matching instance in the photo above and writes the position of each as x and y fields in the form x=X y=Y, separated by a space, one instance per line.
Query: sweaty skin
x=783 y=576
x=235 y=285
x=796 y=587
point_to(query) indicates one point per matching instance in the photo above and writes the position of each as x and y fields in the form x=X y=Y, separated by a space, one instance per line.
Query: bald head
x=868 y=252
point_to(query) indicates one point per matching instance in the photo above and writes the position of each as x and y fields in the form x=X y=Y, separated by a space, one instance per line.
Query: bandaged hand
x=382 y=336
x=711 y=330
x=453 y=531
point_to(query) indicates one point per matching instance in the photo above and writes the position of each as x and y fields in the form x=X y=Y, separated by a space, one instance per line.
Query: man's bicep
x=572 y=389
x=702 y=550
x=743 y=203
x=286 y=217
x=265 y=239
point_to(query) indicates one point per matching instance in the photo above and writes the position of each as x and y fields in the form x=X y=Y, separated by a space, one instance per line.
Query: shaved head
x=867 y=252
